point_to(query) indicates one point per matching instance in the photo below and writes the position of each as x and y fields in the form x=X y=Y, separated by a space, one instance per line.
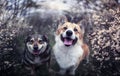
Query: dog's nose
x=69 y=33
x=35 y=47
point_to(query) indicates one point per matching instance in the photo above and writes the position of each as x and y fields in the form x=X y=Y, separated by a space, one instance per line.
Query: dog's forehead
x=71 y=25
x=36 y=37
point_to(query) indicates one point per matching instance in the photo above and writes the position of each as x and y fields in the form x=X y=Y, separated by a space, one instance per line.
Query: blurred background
x=101 y=19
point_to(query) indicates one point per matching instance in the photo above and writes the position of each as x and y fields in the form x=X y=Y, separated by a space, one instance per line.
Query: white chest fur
x=37 y=60
x=67 y=56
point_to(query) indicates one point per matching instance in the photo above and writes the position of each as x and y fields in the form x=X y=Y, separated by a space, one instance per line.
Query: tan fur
x=85 y=54
x=71 y=25
x=86 y=50
x=79 y=34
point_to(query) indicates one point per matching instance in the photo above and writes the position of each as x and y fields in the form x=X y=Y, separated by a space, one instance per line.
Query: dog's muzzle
x=36 y=50
x=68 y=40
x=69 y=33
x=35 y=47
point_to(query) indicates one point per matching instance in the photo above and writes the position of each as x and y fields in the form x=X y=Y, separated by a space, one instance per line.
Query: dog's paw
x=71 y=73
x=59 y=74
x=52 y=72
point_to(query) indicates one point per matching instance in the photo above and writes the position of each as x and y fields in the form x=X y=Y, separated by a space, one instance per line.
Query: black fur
x=44 y=57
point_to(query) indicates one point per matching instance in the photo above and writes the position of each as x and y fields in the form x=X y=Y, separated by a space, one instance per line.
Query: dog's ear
x=27 y=38
x=62 y=20
x=82 y=26
x=58 y=31
x=45 y=38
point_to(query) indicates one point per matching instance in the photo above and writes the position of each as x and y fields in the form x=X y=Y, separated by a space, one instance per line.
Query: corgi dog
x=69 y=48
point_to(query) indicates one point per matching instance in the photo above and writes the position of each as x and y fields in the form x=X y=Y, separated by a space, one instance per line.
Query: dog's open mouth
x=68 y=41
x=36 y=52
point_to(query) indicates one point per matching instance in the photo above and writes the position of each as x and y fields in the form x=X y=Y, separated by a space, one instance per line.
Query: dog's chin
x=67 y=41
x=36 y=52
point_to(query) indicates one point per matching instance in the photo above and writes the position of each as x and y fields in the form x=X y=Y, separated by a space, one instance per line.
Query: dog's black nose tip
x=35 y=47
x=69 y=33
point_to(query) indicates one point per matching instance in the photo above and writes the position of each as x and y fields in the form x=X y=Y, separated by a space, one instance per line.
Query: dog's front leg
x=62 y=71
x=71 y=70
x=31 y=70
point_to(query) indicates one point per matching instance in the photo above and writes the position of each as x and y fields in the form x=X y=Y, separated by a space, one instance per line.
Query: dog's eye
x=64 y=28
x=31 y=41
x=40 y=41
x=75 y=29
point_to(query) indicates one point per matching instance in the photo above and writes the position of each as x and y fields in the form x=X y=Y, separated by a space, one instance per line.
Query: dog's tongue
x=36 y=52
x=68 y=42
